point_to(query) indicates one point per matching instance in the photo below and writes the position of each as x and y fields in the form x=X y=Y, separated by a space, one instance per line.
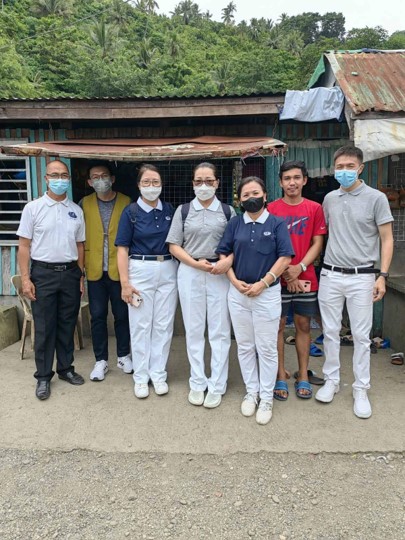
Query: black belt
x=356 y=270
x=209 y=260
x=159 y=258
x=57 y=267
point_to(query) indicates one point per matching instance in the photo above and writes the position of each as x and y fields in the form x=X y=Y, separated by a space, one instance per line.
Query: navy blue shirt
x=256 y=246
x=147 y=236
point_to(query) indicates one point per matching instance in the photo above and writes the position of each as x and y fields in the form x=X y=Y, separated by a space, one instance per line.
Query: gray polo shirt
x=353 y=218
x=203 y=229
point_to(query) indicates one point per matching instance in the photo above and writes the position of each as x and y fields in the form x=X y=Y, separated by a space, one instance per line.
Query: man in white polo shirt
x=51 y=261
x=360 y=223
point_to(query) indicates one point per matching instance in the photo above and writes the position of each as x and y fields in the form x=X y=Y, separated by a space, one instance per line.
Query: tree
x=396 y=40
x=119 y=13
x=187 y=11
x=105 y=37
x=14 y=79
x=222 y=77
x=366 y=38
x=333 y=26
x=228 y=13
x=43 y=8
x=146 y=53
x=174 y=46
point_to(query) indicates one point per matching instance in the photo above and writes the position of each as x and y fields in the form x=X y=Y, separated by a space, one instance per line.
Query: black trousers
x=55 y=312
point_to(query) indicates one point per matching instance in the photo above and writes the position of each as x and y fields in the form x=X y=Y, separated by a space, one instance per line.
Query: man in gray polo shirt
x=359 y=220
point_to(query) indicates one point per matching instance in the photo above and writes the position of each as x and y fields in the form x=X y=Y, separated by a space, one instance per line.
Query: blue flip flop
x=303 y=385
x=319 y=340
x=315 y=351
x=281 y=385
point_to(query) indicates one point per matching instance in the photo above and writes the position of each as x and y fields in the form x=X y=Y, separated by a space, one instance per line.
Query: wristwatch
x=384 y=275
x=303 y=266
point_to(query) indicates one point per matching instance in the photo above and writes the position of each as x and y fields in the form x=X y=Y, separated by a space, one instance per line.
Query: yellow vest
x=94 y=245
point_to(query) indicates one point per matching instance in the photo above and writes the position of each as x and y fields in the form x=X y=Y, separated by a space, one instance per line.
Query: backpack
x=185 y=209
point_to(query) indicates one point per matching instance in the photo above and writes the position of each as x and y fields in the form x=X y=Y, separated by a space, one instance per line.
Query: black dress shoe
x=72 y=377
x=43 y=390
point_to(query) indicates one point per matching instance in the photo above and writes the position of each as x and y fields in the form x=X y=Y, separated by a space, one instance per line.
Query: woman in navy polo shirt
x=150 y=273
x=261 y=247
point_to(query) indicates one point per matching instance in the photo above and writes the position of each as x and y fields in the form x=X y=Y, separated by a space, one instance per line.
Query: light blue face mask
x=346 y=177
x=59 y=186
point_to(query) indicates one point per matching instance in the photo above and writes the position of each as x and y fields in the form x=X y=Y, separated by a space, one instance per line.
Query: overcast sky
x=390 y=14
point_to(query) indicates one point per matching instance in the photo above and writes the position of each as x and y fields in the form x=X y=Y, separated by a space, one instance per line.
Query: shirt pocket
x=266 y=244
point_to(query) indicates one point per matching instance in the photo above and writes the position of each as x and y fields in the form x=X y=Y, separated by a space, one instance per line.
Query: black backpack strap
x=185 y=209
x=133 y=209
x=227 y=210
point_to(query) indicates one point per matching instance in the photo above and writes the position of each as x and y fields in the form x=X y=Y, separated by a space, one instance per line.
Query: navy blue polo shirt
x=256 y=245
x=147 y=236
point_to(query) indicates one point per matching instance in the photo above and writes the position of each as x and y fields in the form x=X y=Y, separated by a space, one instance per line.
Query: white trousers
x=151 y=324
x=203 y=300
x=255 y=323
x=357 y=290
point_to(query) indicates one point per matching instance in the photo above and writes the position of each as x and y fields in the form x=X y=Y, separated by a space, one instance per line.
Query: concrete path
x=106 y=416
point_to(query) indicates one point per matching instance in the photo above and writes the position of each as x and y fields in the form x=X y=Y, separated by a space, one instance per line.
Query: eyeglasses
x=100 y=177
x=56 y=176
x=207 y=181
x=147 y=183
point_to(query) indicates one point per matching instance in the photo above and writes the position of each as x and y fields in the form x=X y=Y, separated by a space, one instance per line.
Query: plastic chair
x=28 y=319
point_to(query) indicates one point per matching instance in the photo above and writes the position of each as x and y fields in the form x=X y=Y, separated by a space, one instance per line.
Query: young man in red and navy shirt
x=306 y=223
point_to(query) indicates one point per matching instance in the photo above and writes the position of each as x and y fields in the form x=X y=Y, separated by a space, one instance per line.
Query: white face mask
x=151 y=193
x=204 y=193
x=102 y=185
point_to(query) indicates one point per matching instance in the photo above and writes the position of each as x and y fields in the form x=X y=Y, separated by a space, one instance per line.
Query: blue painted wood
x=1 y=270
x=33 y=169
x=13 y=269
x=42 y=161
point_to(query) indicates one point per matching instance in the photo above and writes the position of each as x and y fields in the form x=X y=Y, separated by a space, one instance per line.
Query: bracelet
x=265 y=282
x=272 y=275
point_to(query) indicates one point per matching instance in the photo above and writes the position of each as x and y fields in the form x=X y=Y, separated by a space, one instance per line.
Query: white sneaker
x=99 y=371
x=125 y=363
x=212 y=400
x=196 y=397
x=249 y=404
x=327 y=392
x=141 y=390
x=161 y=388
x=264 y=412
x=362 y=407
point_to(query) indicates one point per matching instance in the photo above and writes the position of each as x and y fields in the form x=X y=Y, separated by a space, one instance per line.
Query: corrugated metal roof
x=371 y=81
x=152 y=149
x=175 y=96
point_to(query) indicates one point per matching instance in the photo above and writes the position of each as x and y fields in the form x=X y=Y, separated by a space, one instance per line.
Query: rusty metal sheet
x=152 y=149
x=371 y=81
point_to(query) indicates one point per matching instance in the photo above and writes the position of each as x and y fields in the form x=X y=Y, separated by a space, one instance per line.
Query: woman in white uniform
x=148 y=275
x=261 y=248
x=203 y=286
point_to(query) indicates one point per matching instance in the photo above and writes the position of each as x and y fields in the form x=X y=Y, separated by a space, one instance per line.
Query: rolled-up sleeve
x=176 y=232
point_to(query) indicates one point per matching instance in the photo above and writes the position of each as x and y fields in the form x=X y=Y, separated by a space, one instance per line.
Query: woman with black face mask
x=262 y=250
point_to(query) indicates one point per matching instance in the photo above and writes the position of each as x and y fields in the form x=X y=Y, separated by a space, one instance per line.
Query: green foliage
x=119 y=48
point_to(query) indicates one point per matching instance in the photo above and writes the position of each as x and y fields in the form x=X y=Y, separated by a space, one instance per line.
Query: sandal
x=313 y=379
x=280 y=386
x=315 y=351
x=346 y=340
x=290 y=340
x=303 y=385
x=319 y=340
x=397 y=359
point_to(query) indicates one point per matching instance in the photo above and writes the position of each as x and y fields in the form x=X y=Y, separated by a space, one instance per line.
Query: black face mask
x=253 y=205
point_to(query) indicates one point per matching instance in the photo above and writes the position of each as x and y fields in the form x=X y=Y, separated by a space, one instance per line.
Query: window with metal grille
x=15 y=192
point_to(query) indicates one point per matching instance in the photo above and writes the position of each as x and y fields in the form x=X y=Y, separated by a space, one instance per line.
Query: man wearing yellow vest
x=102 y=211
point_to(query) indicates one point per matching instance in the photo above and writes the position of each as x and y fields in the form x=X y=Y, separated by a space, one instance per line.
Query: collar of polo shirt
x=355 y=192
x=147 y=208
x=52 y=202
x=213 y=206
x=247 y=219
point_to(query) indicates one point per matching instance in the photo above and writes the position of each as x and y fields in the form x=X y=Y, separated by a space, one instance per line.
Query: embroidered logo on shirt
x=266 y=233
x=72 y=215
x=168 y=218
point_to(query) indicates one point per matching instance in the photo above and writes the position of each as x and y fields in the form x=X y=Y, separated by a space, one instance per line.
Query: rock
x=275 y=499
x=314 y=502
x=183 y=502
x=237 y=503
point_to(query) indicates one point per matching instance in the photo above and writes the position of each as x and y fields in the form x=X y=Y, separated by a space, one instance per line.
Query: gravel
x=91 y=495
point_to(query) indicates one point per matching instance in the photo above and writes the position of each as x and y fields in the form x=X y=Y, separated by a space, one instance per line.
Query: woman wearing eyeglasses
x=203 y=286
x=148 y=281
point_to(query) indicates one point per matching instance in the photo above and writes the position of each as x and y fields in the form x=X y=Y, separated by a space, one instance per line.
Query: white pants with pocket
x=203 y=300
x=357 y=290
x=151 y=324
x=255 y=322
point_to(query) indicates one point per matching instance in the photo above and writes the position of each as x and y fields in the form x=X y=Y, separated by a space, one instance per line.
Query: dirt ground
x=93 y=462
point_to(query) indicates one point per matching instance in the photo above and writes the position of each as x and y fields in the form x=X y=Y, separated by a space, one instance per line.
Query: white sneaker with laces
x=196 y=397
x=362 y=407
x=161 y=388
x=125 y=363
x=327 y=392
x=212 y=400
x=141 y=390
x=99 y=371
x=264 y=412
x=249 y=404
